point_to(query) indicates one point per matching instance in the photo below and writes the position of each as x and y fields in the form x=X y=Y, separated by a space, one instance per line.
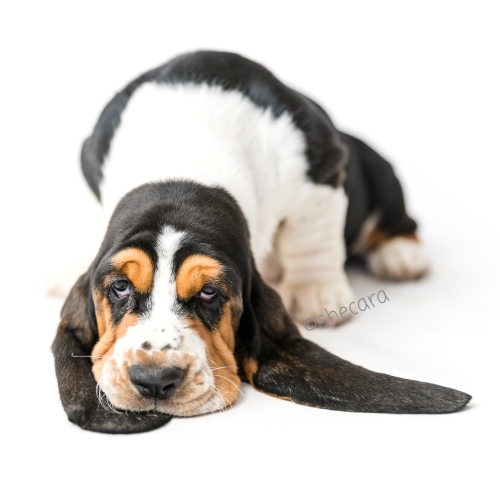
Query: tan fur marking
x=108 y=333
x=195 y=272
x=198 y=388
x=225 y=328
x=411 y=237
x=250 y=366
x=219 y=348
x=284 y=398
x=236 y=307
x=102 y=312
x=137 y=266
x=376 y=237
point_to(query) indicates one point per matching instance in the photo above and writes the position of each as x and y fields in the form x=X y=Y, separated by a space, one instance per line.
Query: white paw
x=61 y=280
x=323 y=302
x=398 y=259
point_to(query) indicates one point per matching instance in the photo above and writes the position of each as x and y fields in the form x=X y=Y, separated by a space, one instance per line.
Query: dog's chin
x=206 y=402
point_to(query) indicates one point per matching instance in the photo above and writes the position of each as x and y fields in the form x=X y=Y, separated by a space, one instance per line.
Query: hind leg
x=388 y=238
x=397 y=257
x=311 y=251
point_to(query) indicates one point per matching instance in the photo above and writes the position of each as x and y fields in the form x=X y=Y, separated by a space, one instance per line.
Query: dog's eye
x=121 y=288
x=208 y=293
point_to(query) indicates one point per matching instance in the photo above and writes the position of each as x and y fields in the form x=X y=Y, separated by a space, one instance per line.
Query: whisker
x=82 y=356
x=203 y=404
x=212 y=400
x=222 y=396
x=219 y=367
x=215 y=401
x=222 y=376
x=99 y=397
x=105 y=402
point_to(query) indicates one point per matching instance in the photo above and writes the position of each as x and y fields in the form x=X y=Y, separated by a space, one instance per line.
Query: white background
x=420 y=82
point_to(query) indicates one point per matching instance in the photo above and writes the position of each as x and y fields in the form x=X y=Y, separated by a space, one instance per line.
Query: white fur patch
x=162 y=326
x=214 y=137
x=399 y=259
x=311 y=249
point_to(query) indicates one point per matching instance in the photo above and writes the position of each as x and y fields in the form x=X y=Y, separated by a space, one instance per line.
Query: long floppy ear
x=72 y=346
x=277 y=360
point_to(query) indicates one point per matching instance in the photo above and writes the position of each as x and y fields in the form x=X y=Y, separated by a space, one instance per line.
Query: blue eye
x=208 y=293
x=121 y=288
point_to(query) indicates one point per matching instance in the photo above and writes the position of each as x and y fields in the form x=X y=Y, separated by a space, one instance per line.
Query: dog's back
x=218 y=119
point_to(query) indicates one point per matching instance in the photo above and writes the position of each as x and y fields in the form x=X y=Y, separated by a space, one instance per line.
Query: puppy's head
x=174 y=312
x=167 y=300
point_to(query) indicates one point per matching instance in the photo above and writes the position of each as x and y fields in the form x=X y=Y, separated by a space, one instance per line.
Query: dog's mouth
x=174 y=390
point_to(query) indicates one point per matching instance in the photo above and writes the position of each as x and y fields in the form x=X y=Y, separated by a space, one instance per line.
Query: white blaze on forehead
x=163 y=326
x=164 y=294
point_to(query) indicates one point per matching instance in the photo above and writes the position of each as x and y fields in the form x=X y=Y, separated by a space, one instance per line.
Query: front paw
x=319 y=303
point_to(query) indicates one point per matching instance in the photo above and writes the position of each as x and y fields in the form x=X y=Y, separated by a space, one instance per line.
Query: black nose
x=156 y=383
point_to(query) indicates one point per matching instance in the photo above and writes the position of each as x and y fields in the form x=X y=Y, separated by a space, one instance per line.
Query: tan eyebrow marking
x=137 y=266
x=194 y=272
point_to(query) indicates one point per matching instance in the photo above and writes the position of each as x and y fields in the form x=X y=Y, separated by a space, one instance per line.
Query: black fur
x=73 y=344
x=284 y=364
x=372 y=186
x=294 y=368
x=325 y=152
x=214 y=226
x=371 y=183
x=288 y=365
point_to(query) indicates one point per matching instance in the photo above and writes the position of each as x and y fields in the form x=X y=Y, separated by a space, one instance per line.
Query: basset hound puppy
x=217 y=176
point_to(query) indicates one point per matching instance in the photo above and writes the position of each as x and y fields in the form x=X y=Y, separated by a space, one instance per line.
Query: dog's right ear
x=76 y=335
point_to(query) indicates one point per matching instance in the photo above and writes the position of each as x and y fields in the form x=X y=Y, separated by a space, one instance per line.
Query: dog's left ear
x=76 y=335
x=277 y=360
